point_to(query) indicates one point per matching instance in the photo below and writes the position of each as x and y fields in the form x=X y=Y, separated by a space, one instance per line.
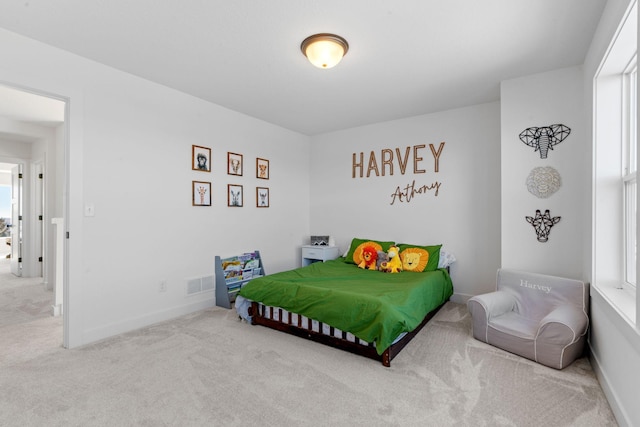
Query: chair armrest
x=494 y=303
x=484 y=307
x=571 y=317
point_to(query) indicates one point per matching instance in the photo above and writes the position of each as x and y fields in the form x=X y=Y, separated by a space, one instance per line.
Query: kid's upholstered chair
x=542 y=318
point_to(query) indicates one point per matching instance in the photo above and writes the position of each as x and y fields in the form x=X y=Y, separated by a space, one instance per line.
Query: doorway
x=5 y=214
x=11 y=214
x=33 y=139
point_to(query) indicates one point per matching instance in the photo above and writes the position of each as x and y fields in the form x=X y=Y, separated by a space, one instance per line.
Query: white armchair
x=543 y=318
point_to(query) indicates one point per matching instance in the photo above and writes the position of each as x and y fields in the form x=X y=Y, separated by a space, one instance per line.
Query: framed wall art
x=201 y=193
x=234 y=195
x=234 y=164
x=262 y=168
x=200 y=158
x=262 y=197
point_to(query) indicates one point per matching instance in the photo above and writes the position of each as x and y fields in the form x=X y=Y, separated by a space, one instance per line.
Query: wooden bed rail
x=258 y=315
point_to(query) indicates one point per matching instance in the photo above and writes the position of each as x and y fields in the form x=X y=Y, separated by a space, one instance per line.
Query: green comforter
x=373 y=306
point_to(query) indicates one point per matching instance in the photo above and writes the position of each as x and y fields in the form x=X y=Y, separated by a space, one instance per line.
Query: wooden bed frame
x=258 y=314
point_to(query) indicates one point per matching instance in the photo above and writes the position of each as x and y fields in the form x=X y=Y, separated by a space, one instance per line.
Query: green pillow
x=357 y=242
x=434 y=254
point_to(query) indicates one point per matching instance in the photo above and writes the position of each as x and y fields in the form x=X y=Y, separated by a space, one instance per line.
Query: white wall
x=542 y=100
x=130 y=156
x=10 y=149
x=465 y=216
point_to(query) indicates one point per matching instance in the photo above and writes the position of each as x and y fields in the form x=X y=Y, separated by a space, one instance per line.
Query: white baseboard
x=609 y=392
x=56 y=310
x=97 y=334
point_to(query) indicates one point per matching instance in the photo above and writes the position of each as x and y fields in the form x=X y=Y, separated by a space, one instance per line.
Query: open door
x=16 y=220
x=39 y=231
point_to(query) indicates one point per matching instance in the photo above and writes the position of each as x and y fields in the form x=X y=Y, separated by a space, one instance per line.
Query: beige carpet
x=26 y=326
x=209 y=368
x=22 y=299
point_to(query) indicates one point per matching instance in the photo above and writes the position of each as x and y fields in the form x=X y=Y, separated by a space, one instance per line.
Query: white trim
x=621 y=300
x=630 y=334
x=116 y=328
x=609 y=391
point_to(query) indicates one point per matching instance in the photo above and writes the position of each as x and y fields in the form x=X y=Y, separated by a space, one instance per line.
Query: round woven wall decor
x=542 y=182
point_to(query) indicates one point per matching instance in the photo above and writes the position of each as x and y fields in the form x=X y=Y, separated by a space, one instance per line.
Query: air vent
x=208 y=284
x=200 y=284
x=194 y=286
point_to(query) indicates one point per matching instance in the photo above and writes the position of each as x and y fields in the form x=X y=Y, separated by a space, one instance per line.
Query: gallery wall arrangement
x=201 y=190
x=543 y=182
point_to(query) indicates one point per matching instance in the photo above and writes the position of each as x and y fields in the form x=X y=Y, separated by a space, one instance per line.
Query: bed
x=366 y=312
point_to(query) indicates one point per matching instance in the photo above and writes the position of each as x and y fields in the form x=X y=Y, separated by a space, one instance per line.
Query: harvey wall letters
x=387 y=160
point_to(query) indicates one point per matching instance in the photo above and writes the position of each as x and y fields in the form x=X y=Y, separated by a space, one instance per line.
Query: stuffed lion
x=369 y=257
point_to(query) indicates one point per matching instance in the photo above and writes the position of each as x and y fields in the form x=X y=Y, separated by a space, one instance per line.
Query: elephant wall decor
x=544 y=138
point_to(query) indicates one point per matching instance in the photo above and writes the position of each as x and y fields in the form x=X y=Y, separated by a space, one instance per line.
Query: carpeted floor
x=27 y=328
x=209 y=368
x=22 y=300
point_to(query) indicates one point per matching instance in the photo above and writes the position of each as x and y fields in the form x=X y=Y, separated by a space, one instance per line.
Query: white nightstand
x=311 y=254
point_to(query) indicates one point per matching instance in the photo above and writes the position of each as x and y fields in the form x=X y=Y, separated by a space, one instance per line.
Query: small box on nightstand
x=312 y=253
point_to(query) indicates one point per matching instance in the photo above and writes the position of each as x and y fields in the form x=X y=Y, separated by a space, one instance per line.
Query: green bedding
x=373 y=306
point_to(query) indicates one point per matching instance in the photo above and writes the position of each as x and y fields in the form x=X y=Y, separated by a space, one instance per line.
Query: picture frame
x=262 y=168
x=262 y=197
x=200 y=193
x=234 y=196
x=200 y=158
x=234 y=164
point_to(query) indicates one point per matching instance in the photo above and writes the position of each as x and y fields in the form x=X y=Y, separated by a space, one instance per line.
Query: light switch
x=89 y=209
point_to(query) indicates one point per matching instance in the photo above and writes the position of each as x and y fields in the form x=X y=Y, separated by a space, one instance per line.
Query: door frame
x=64 y=172
x=39 y=215
x=17 y=232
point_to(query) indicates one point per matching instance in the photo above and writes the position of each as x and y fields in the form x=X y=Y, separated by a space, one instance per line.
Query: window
x=629 y=183
x=615 y=188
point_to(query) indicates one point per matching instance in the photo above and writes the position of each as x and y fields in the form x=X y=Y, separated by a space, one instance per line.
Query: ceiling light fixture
x=324 y=50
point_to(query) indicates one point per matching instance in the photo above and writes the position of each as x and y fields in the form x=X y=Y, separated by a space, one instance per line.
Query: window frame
x=629 y=172
x=608 y=161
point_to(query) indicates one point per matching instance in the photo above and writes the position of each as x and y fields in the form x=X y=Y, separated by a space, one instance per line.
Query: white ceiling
x=406 y=57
